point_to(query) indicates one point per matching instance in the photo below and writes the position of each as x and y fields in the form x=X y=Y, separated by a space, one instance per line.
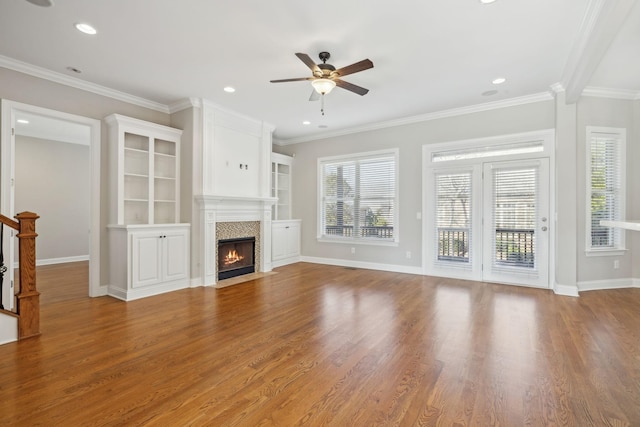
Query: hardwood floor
x=320 y=345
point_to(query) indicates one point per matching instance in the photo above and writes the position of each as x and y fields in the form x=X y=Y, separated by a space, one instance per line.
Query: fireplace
x=236 y=257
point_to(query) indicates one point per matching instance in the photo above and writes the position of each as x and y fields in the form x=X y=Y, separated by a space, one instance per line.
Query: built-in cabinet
x=148 y=260
x=285 y=232
x=281 y=185
x=149 y=249
x=146 y=170
x=285 y=242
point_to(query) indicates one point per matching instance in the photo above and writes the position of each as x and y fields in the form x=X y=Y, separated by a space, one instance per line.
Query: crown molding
x=184 y=104
x=494 y=105
x=43 y=73
x=601 y=92
x=557 y=87
x=599 y=27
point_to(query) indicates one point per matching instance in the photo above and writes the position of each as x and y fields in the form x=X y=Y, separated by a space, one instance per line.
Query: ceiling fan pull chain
x=322 y=104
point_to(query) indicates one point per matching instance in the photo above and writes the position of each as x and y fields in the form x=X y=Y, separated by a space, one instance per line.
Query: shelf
x=135 y=175
x=633 y=225
x=136 y=150
x=137 y=200
x=171 y=156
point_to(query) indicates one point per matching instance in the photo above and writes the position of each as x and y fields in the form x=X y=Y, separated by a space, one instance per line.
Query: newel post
x=28 y=299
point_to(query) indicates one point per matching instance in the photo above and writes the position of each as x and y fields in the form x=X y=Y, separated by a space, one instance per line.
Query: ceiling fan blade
x=315 y=96
x=299 y=79
x=309 y=63
x=350 y=86
x=365 y=64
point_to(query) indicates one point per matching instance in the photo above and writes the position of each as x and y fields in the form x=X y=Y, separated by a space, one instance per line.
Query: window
x=453 y=216
x=359 y=197
x=605 y=187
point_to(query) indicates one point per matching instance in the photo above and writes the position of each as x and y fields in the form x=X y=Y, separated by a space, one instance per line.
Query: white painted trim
x=362 y=264
x=601 y=92
x=9 y=109
x=494 y=105
x=43 y=73
x=600 y=25
x=596 y=285
x=566 y=290
x=62 y=260
x=285 y=261
x=146 y=291
x=621 y=137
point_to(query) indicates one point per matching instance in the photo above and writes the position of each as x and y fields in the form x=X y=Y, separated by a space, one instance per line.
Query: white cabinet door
x=279 y=240
x=146 y=262
x=285 y=241
x=293 y=239
x=175 y=255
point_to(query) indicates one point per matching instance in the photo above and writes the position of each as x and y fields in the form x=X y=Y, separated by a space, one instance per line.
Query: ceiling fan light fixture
x=323 y=86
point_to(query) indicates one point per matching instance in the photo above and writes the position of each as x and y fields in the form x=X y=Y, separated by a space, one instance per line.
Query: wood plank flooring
x=318 y=345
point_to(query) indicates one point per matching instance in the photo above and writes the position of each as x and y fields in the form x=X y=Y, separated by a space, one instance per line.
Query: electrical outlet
x=616 y=263
x=408 y=254
x=353 y=250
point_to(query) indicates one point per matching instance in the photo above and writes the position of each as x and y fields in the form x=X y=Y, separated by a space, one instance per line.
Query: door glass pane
x=514 y=217
x=453 y=217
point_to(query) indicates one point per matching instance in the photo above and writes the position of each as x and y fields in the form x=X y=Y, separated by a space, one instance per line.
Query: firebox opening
x=236 y=257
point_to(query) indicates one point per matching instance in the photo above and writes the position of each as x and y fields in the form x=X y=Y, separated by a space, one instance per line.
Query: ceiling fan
x=325 y=76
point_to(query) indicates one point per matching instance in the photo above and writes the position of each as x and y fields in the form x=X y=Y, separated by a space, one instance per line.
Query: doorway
x=54 y=124
x=487 y=210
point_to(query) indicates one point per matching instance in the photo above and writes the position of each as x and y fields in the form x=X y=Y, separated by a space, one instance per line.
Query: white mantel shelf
x=627 y=225
x=235 y=199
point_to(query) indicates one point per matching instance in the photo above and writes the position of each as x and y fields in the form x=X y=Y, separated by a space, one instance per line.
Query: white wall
x=53 y=180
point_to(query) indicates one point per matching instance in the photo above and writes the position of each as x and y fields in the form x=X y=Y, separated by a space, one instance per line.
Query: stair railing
x=28 y=297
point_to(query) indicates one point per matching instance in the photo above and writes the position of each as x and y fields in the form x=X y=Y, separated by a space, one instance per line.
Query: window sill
x=364 y=242
x=606 y=252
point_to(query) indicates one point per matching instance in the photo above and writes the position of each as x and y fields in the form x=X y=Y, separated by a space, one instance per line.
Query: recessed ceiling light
x=486 y=1
x=323 y=126
x=489 y=92
x=306 y=122
x=86 y=28
x=499 y=80
x=23 y=121
x=229 y=89
x=74 y=69
x=42 y=3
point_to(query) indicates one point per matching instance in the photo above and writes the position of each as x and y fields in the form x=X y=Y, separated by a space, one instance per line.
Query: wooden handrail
x=8 y=221
x=28 y=298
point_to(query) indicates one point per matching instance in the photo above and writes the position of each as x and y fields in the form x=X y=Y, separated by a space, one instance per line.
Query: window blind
x=514 y=217
x=606 y=183
x=359 y=197
x=453 y=217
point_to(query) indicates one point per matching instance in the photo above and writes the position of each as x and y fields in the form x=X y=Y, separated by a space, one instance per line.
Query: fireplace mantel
x=223 y=208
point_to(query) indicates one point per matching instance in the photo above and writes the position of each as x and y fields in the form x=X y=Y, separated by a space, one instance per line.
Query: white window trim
x=396 y=215
x=621 y=134
x=545 y=136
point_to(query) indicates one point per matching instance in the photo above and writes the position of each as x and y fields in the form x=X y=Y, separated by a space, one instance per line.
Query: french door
x=490 y=222
x=515 y=244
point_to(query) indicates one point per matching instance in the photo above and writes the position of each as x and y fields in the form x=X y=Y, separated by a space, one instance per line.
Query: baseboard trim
x=599 y=285
x=566 y=290
x=61 y=260
x=361 y=264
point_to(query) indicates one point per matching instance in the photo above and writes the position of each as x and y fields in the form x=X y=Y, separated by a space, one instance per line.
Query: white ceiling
x=429 y=56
